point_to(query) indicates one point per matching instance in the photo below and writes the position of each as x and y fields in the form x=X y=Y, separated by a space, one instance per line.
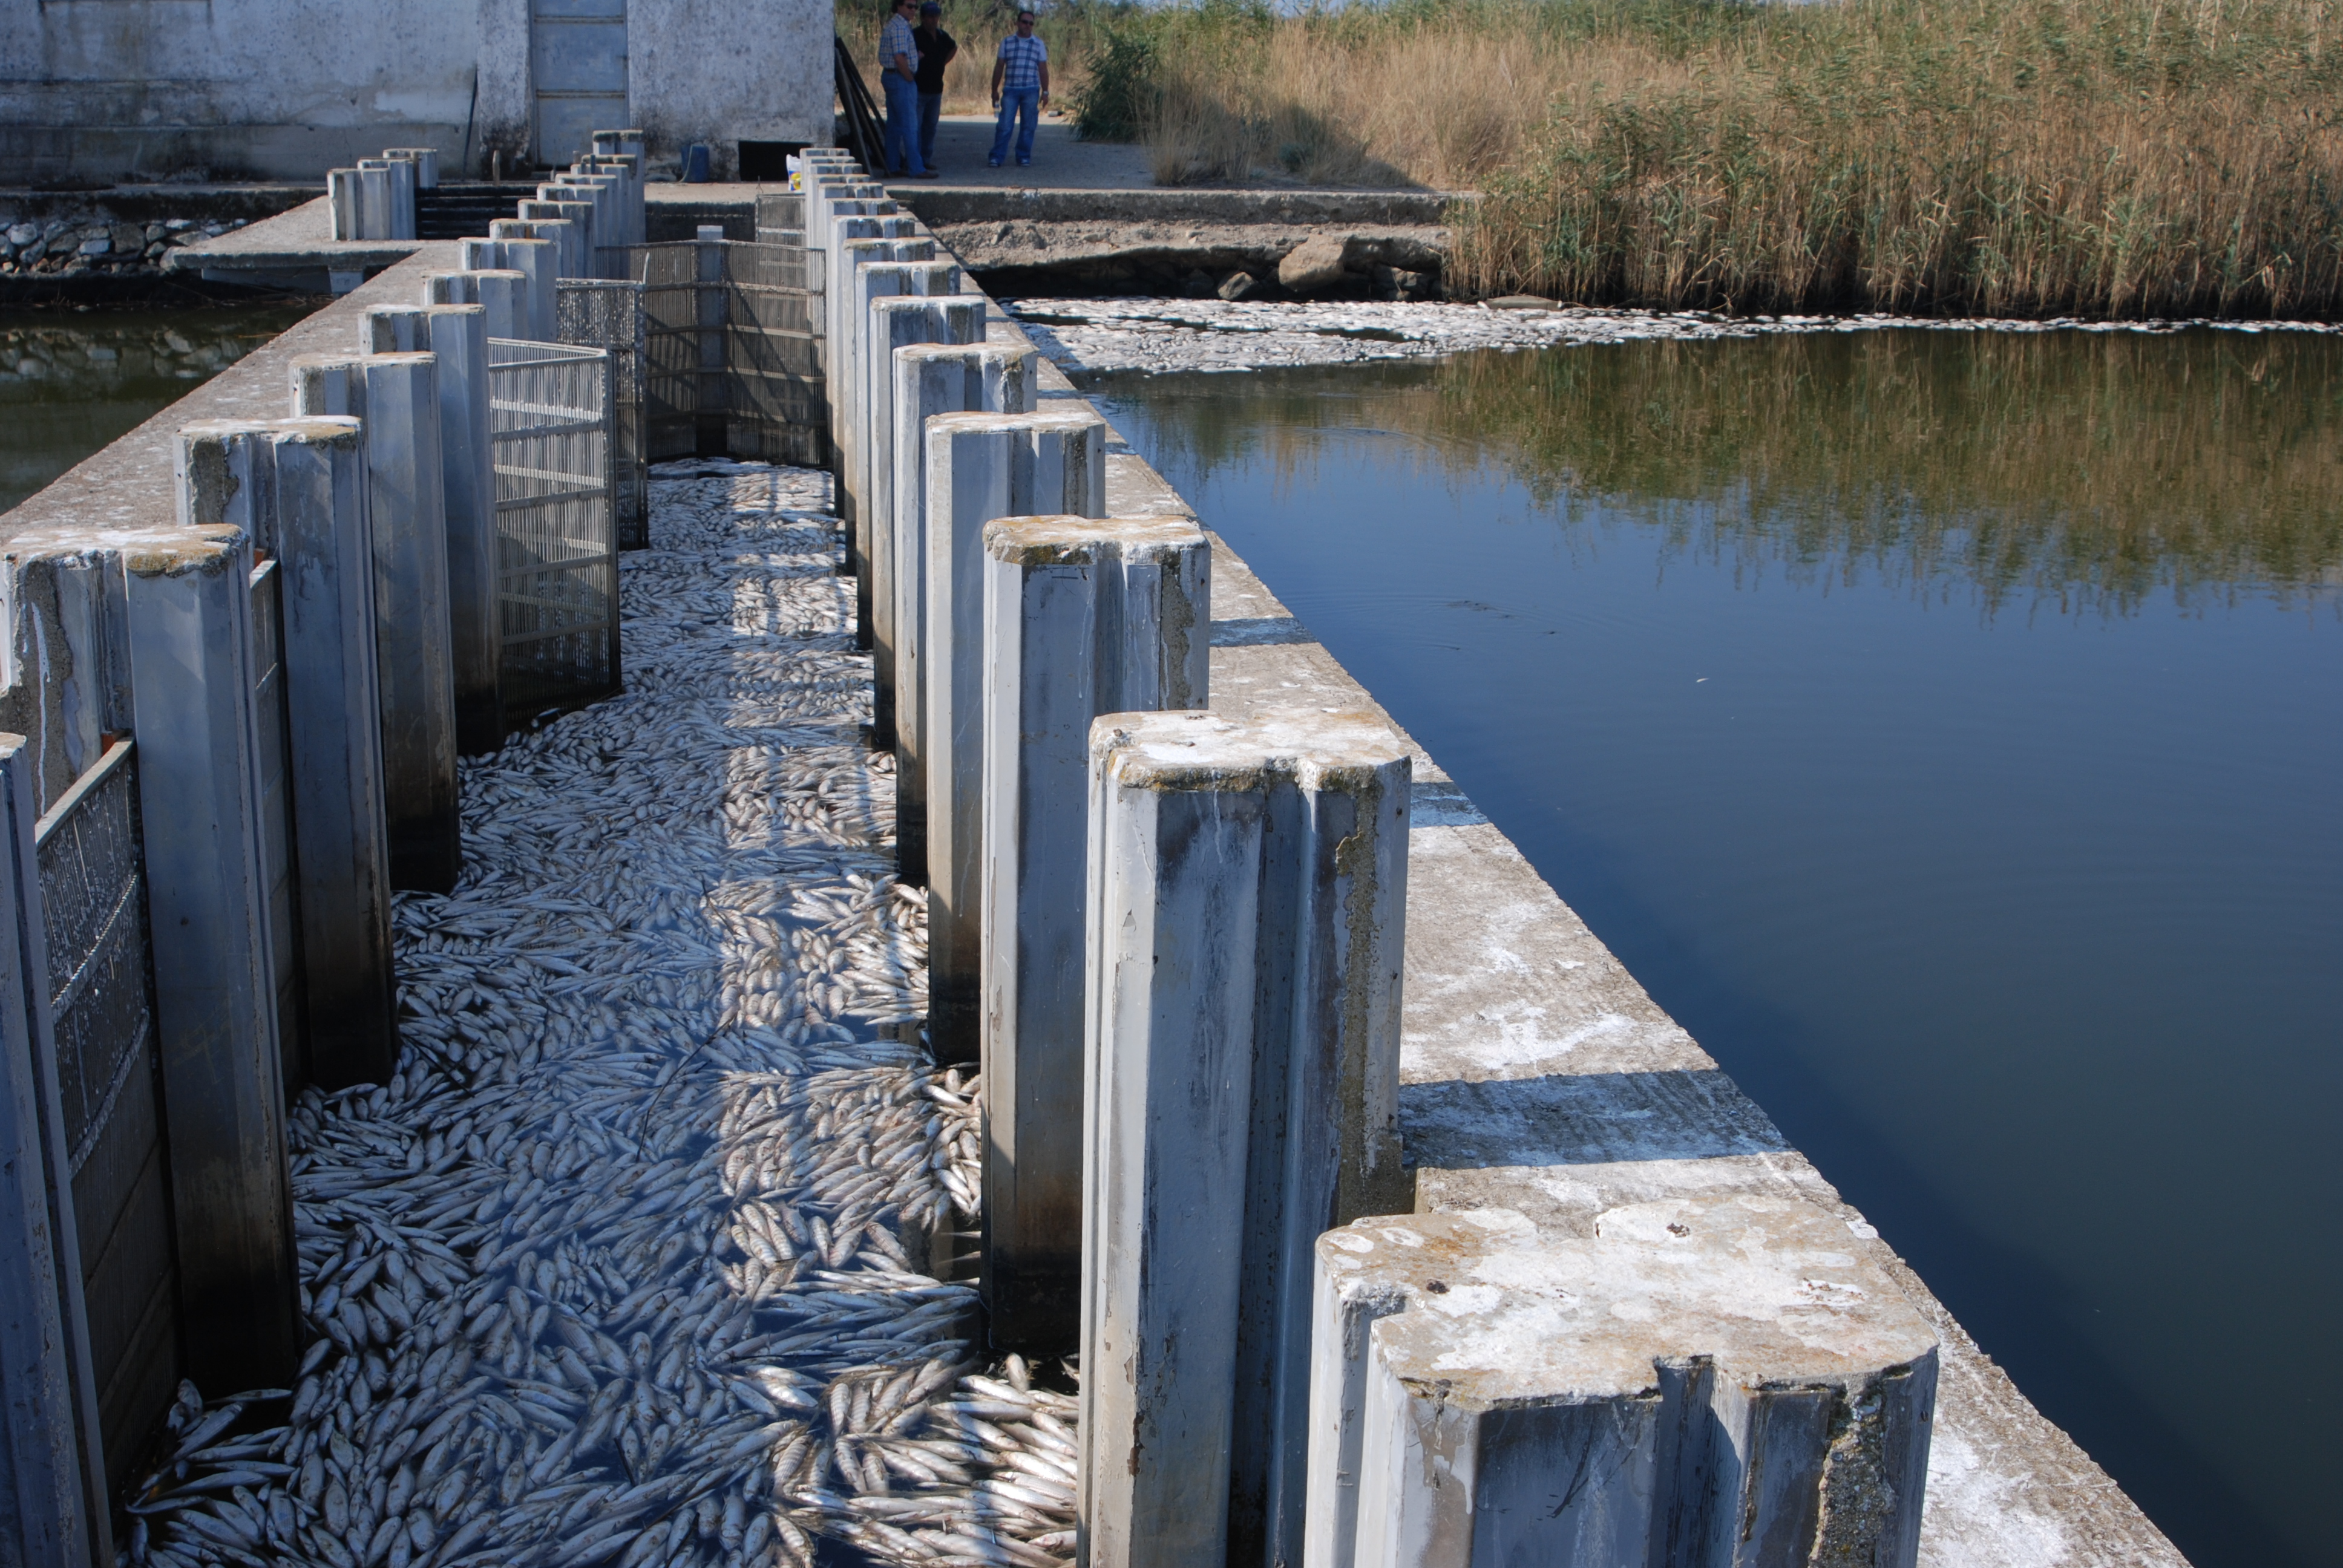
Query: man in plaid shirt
x=899 y=68
x=1021 y=85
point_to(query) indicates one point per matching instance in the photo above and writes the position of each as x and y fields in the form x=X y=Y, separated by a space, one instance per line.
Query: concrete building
x=110 y=89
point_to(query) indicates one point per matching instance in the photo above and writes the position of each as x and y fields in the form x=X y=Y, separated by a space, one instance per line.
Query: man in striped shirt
x=1021 y=85
x=899 y=68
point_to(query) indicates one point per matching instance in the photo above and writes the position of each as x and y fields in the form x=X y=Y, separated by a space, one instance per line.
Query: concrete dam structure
x=668 y=908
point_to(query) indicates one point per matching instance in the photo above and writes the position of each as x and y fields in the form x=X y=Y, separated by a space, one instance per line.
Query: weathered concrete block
x=302 y=484
x=1082 y=617
x=502 y=292
x=868 y=280
x=578 y=251
x=932 y=379
x=396 y=397
x=458 y=336
x=567 y=242
x=1702 y=1381
x=199 y=774
x=980 y=466
x=534 y=259
x=893 y=324
x=342 y=202
x=1247 y=888
x=426 y=161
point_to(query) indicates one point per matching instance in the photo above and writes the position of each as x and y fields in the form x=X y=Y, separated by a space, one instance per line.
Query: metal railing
x=556 y=546
x=608 y=315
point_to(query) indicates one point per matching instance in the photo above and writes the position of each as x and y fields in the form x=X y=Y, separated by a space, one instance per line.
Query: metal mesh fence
x=557 y=546
x=609 y=316
x=730 y=357
x=101 y=1000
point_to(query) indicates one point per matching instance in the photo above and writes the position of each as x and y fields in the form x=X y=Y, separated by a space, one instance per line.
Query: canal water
x=1947 y=728
x=71 y=381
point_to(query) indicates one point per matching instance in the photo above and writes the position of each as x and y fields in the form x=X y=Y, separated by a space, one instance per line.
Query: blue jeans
x=902 y=113
x=931 y=108
x=1022 y=105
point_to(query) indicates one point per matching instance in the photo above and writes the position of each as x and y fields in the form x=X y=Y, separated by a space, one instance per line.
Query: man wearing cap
x=1021 y=84
x=936 y=51
x=899 y=67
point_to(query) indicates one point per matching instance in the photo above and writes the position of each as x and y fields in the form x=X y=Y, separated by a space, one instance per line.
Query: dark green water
x=1948 y=731
x=71 y=381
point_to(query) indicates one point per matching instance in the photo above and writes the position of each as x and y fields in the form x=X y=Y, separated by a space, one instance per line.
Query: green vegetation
x=2037 y=157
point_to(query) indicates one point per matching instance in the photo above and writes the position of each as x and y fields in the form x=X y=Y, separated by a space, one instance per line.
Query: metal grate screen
x=731 y=363
x=556 y=546
x=609 y=316
x=101 y=997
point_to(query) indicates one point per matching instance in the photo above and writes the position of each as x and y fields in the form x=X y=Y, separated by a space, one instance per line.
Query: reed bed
x=2025 y=157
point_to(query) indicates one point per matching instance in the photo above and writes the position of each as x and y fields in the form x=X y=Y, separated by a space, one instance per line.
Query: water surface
x=1947 y=729
x=71 y=381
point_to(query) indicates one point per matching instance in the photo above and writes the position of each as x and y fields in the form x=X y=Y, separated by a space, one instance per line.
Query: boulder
x=1237 y=286
x=1313 y=266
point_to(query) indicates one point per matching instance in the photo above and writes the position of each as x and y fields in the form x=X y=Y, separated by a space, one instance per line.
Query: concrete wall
x=286 y=89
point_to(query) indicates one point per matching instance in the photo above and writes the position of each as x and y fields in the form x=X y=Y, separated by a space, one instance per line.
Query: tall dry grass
x=2003 y=156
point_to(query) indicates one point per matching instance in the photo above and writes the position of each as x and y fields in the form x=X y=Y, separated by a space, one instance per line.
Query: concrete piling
x=534 y=260
x=458 y=336
x=1082 y=617
x=426 y=161
x=502 y=292
x=932 y=379
x=190 y=631
x=869 y=276
x=1700 y=1382
x=1051 y=463
x=893 y=324
x=568 y=249
x=1247 y=883
x=302 y=484
x=577 y=242
x=396 y=397
x=342 y=204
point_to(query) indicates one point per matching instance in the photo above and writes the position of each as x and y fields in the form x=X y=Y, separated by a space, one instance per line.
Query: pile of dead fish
x=634 y=1260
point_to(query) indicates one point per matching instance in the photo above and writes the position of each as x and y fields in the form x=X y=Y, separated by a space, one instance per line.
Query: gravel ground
x=1163 y=334
x=622 y=1265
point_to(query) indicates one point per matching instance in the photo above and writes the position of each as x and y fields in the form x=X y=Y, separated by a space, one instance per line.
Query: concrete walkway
x=1062 y=161
x=625 y=1264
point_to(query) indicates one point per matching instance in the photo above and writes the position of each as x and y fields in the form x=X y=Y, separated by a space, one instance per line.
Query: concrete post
x=502 y=292
x=579 y=207
x=199 y=772
x=981 y=466
x=458 y=336
x=398 y=197
x=560 y=232
x=868 y=276
x=1246 y=887
x=1700 y=1383
x=54 y=1467
x=894 y=323
x=711 y=308
x=397 y=396
x=302 y=484
x=932 y=379
x=426 y=161
x=342 y=202
x=534 y=260
x=902 y=225
x=576 y=241
x=374 y=196
x=1082 y=617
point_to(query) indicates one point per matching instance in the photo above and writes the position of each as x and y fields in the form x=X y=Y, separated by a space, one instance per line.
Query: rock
x=1313 y=266
x=1197 y=284
x=1237 y=286
x=23 y=234
x=1518 y=302
x=155 y=231
x=97 y=246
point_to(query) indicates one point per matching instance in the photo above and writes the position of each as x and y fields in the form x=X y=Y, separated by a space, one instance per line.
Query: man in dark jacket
x=936 y=51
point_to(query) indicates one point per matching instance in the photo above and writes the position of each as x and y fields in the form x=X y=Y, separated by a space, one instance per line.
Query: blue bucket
x=695 y=163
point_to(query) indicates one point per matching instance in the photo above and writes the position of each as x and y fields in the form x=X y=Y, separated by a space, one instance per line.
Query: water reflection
x=70 y=382
x=2020 y=917
x=2064 y=471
